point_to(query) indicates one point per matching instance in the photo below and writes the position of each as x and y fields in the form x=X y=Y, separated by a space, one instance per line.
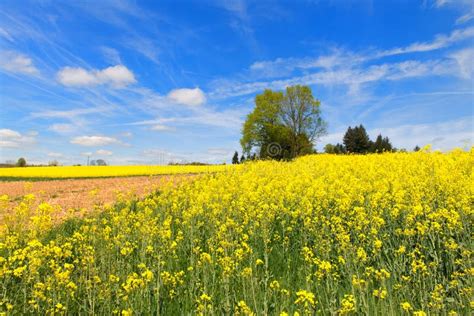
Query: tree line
x=286 y=124
x=357 y=141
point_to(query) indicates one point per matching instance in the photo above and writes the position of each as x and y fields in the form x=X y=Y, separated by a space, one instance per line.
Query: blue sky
x=137 y=82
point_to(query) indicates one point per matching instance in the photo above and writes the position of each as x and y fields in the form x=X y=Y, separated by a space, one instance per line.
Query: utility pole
x=88 y=160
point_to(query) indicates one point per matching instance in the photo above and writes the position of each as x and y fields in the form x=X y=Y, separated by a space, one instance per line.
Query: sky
x=149 y=82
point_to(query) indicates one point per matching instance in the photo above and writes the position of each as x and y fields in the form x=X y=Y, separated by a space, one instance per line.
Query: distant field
x=35 y=173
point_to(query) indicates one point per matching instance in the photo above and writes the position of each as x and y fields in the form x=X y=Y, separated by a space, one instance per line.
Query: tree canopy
x=283 y=125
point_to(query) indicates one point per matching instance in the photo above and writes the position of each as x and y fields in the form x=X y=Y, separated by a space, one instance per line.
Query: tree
x=334 y=149
x=53 y=163
x=356 y=140
x=283 y=125
x=21 y=162
x=235 y=159
x=101 y=162
x=301 y=114
x=330 y=149
x=417 y=148
x=242 y=158
x=381 y=144
x=340 y=149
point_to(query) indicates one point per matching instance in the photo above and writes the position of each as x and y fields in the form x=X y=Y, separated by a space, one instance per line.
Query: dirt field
x=80 y=195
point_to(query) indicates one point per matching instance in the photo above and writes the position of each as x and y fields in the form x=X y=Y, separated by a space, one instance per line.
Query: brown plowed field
x=80 y=195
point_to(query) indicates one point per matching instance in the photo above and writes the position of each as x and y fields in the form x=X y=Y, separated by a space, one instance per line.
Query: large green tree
x=283 y=125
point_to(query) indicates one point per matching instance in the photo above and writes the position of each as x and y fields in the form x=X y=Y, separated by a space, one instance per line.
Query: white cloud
x=116 y=76
x=62 y=128
x=55 y=155
x=465 y=61
x=103 y=152
x=94 y=140
x=13 y=139
x=160 y=128
x=17 y=63
x=190 y=97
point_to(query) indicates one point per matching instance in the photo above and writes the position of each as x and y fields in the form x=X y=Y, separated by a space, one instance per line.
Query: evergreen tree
x=235 y=159
x=417 y=148
x=340 y=149
x=356 y=140
x=386 y=144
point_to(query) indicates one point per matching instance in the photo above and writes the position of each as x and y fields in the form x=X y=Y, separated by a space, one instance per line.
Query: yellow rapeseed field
x=104 y=171
x=386 y=234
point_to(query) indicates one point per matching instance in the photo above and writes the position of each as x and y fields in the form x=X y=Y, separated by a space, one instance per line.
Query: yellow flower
x=380 y=293
x=378 y=244
x=126 y=312
x=305 y=298
x=406 y=306
x=243 y=309
x=347 y=305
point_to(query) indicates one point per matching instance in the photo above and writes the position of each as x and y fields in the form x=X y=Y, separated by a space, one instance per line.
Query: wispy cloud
x=440 y=41
x=353 y=74
x=465 y=6
x=6 y=35
x=240 y=21
x=111 y=55
x=338 y=57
